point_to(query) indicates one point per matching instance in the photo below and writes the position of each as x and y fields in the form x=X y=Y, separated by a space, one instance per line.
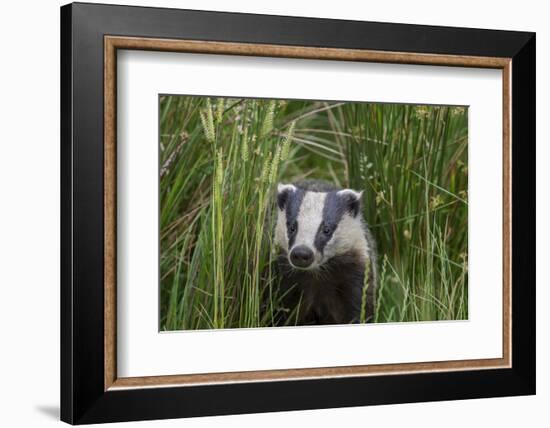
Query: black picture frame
x=83 y=398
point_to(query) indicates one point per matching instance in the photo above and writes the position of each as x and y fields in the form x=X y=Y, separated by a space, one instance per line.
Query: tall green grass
x=221 y=160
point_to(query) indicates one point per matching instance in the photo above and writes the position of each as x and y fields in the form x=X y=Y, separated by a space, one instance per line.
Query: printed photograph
x=285 y=213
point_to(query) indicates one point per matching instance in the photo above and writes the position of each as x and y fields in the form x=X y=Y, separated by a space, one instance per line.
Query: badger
x=325 y=248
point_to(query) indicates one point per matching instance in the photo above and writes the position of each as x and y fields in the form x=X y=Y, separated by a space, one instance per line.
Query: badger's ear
x=352 y=199
x=283 y=190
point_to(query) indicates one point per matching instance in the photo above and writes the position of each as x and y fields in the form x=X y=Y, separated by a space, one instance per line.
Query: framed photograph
x=266 y=213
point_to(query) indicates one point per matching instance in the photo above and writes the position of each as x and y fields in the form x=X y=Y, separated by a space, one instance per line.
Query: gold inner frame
x=113 y=43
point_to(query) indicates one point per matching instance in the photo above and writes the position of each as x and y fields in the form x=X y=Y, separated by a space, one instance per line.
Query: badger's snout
x=301 y=256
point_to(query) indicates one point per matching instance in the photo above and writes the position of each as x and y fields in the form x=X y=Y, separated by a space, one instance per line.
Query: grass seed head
x=207 y=121
x=267 y=125
x=286 y=142
x=266 y=168
x=220 y=106
x=244 y=147
x=219 y=168
x=275 y=165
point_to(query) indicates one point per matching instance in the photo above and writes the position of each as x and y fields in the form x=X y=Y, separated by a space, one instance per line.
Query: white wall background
x=29 y=213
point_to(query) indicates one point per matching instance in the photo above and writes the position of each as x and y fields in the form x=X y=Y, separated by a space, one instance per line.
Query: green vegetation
x=222 y=158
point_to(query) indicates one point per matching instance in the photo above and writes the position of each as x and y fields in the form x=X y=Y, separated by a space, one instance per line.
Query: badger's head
x=312 y=227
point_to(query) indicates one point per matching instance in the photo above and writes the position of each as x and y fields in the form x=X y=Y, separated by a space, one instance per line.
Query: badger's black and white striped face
x=312 y=227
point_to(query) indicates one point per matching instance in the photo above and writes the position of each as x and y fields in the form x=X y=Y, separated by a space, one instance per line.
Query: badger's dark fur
x=325 y=248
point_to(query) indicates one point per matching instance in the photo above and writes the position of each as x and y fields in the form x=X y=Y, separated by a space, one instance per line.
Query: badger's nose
x=301 y=256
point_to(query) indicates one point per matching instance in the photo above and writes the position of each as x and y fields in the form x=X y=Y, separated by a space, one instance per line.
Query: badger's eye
x=292 y=228
x=326 y=230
